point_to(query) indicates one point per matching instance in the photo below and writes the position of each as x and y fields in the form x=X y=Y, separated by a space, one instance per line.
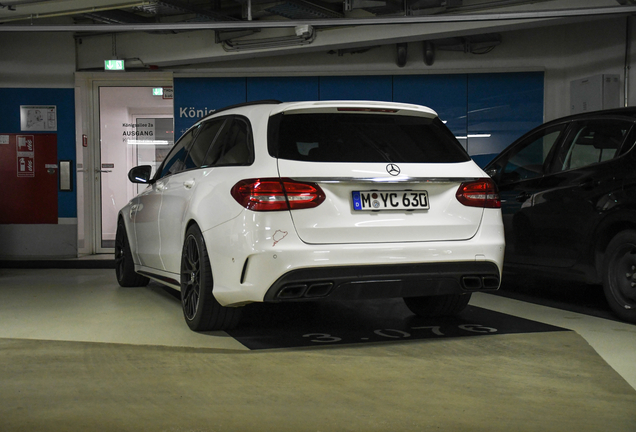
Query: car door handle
x=589 y=184
x=188 y=184
x=523 y=196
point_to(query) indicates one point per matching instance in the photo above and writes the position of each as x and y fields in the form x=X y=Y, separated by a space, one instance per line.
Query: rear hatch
x=389 y=172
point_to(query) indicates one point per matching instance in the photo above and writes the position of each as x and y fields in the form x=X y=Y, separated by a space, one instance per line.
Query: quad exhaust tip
x=474 y=283
x=302 y=290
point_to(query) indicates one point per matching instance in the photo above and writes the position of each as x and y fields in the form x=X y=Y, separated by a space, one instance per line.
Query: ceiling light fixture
x=304 y=35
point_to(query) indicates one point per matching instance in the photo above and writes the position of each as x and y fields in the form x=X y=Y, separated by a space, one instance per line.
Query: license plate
x=390 y=200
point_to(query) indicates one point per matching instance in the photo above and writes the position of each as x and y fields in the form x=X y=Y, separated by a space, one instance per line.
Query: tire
x=200 y=309
x=441 y=305
x=619 y=275
x=124 y=265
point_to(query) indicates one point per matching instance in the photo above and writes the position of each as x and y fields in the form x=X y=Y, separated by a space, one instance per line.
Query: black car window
x=234 y=147
x=528 y=158
x=204 y=143
x=175 y=161
x=346 y=137
x=591 y=142
x=238 y=145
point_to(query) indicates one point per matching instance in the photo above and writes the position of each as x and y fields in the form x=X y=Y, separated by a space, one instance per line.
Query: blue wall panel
x=194 y=98
x=284 y=89
x=485 y=111
x=446 y=94
x=64 y=100
x=356 y=88
x=504 y=106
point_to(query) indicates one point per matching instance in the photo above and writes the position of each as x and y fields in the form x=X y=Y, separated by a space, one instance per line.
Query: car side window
x=591 y=142
x=175 y=161
x=234 y=147
x=204 y=142
x=238 y=145
x=528 y=159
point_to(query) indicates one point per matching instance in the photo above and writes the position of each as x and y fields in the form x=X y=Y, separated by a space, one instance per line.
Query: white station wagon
x=278 y=202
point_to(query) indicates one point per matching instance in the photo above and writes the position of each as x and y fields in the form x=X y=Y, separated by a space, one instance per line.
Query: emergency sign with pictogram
x=25 y=155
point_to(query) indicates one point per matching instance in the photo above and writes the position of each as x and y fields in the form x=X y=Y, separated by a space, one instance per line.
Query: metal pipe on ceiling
x=341 y=22
x=628 y=59
x=92 y=9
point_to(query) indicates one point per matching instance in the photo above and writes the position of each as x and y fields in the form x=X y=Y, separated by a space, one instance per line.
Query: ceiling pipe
x=429 y=53
x=628 y=60
x=402 y=52
x=75 y=12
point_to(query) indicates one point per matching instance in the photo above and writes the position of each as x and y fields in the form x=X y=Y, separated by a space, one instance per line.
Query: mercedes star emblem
x=393 y=169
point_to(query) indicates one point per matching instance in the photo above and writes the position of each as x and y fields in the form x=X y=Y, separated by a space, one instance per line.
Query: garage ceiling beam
x=344 y=22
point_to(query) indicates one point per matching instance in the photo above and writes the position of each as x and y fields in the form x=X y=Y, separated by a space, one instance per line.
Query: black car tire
x=201 y=310
x=124 y=265
x=441 y=305
x=619 y=275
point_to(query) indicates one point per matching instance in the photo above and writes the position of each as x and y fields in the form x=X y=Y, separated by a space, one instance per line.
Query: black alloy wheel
x=124 y=265
x=619 y=281
x=201 y=310
x=190 y=278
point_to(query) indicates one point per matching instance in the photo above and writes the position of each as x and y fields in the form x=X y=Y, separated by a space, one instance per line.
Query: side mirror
x=140 y=174
x=491 y=172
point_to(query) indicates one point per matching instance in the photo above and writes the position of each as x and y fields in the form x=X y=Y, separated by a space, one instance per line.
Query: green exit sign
x=157 y=91
x=117 y=65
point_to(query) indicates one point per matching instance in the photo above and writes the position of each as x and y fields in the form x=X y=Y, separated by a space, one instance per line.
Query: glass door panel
x=136 y=128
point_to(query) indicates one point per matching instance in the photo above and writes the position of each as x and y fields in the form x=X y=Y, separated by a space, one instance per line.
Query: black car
x=568 y=194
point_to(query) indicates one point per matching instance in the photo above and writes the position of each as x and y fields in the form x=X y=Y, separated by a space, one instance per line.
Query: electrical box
x=595 y=93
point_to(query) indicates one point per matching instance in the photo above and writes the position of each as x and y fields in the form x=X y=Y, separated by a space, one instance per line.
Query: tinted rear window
x=362 y=138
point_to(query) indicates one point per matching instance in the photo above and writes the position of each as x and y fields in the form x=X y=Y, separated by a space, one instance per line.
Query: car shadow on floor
x=565 y=295
x=269 y=326
x=324 y=323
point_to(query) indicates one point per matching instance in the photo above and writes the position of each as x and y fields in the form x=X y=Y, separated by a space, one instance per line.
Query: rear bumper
x=253 y=265
x=384 y=281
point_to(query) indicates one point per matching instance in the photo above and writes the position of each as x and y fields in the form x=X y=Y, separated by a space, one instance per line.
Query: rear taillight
x=479 y=193
x=274 y=194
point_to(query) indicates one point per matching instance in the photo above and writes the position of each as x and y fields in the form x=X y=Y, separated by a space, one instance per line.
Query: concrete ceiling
x=173 y=33
x=180 y=15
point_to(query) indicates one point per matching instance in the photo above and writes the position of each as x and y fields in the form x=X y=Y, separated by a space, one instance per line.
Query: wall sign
x=25 y=155
x=38 y=118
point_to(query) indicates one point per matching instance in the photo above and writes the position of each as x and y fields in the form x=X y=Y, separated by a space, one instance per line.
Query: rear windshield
x=362 y=138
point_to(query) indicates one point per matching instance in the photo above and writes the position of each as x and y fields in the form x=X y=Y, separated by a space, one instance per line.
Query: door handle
x=188 y=184
x=589 y=184
x=523 y=196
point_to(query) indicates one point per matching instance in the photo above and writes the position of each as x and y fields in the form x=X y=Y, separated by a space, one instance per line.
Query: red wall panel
x=28 y=189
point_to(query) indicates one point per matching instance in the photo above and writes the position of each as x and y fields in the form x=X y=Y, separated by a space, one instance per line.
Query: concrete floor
x=78 y=353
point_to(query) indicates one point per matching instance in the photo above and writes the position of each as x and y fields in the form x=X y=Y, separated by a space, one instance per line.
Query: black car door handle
x=589 y=184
